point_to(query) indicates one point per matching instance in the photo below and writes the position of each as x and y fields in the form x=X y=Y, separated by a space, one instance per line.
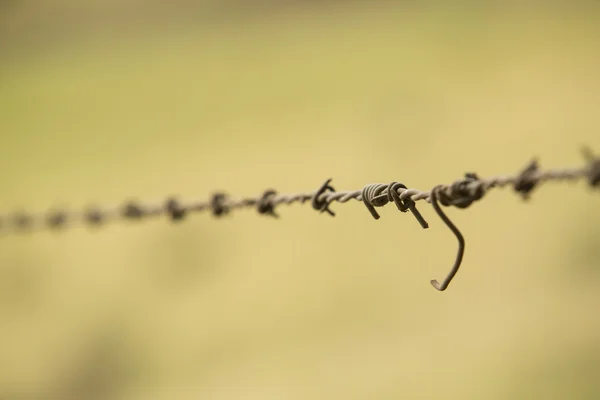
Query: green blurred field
x=308 y=306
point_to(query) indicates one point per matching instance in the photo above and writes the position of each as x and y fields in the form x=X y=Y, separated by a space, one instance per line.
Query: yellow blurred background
x=105 y=101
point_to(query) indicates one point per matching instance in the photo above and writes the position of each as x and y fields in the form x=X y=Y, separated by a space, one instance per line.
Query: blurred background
x=105 y=101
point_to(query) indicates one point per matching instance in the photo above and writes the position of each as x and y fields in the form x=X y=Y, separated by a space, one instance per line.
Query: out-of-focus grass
x=306 y=306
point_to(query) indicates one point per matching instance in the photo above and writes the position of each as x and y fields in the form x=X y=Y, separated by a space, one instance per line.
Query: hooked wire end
x=461 y=242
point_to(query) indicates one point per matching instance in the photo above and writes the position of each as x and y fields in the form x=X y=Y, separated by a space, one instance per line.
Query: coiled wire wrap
x=379 y=194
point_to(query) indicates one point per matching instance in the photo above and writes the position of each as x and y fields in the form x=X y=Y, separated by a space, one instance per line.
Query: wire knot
x=265 y=204
x=320 y=204
x=462 y=193
x=527 y=180
x=175 y=210
x=219 y=205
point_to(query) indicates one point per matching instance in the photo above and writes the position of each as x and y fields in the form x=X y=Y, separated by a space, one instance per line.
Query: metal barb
x=526 y=181
x=219 y=205
x=320 y=204
x=370 y=197
x=593 y=168
x=175 y=210
x=265 y=203
x=461 y=241
x=379 y=194
x=405 y=204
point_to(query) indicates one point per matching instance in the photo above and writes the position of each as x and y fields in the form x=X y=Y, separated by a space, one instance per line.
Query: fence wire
x=461 y=193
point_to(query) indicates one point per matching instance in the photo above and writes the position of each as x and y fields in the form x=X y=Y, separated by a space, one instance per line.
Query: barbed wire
x=460 y=193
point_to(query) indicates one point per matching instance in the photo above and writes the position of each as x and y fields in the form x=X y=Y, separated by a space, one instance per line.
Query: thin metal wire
x=461 y=194
x=461 y=242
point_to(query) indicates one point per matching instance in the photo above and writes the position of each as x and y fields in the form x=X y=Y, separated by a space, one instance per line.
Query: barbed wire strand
x=461 y=194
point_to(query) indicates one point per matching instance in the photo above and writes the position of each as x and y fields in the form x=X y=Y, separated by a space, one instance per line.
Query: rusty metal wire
x=460 y=193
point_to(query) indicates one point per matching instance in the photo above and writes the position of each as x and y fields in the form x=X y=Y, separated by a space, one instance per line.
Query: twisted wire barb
x=461 y=194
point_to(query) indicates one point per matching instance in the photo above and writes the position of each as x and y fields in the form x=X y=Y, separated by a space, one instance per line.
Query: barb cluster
x=461 y=194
